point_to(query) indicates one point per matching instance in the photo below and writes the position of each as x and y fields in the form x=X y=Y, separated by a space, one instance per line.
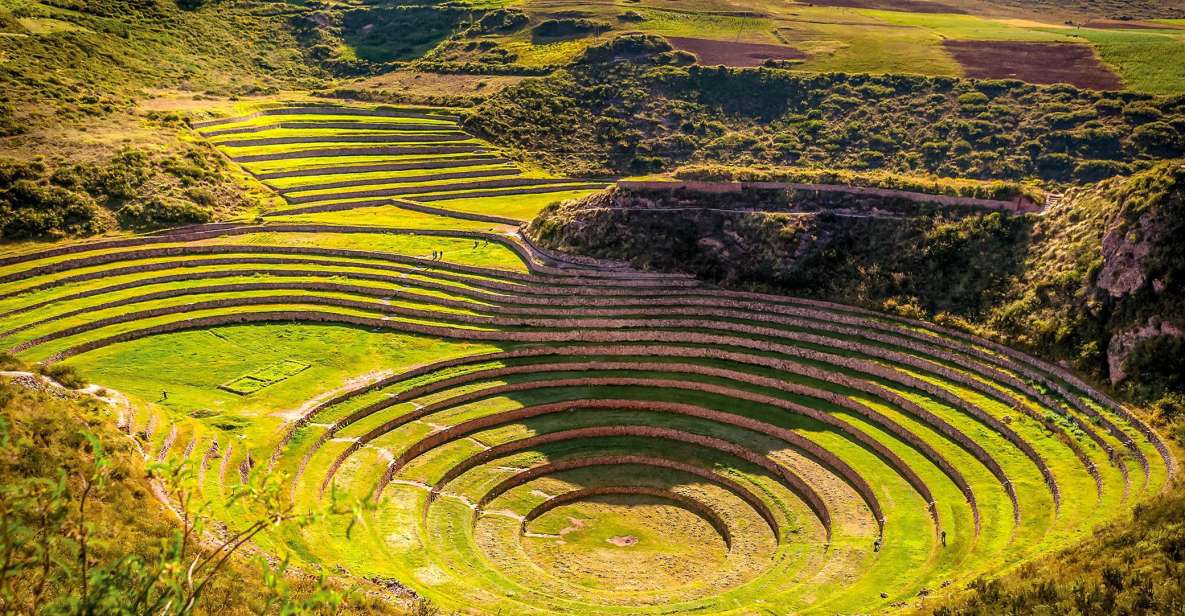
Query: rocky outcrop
x=1126 y=246
x=1125 y=342
x=1101 y=272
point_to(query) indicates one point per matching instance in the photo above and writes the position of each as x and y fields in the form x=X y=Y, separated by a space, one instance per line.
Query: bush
x=1156 y=366
x=115 y=180
x=501 y=20
x=1170 y=408
x=8 y=361
x=567 y=27
x=575 y=120
x=1096 y=170
x=162 y=212
x=1158 y=138
x=201 y=196
x=9 y=125
x=67 y=376
x=34 y=211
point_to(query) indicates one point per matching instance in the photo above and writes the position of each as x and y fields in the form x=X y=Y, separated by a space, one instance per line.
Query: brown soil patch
x=909 y=6
x=574 y=524
x=731 y=53
x=1128 y=24
x=623 y=541
x=1034 y=63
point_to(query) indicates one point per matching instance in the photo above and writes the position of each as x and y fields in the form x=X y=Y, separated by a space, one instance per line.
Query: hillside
x=633 y=106
x=84 y=531
x=1095 y=280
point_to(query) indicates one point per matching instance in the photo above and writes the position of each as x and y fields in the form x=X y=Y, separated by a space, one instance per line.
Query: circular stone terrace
x=541 y=436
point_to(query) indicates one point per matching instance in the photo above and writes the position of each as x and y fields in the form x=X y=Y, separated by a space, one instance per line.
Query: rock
x=393 y=586
x=1125 y=252
x=1123 y=343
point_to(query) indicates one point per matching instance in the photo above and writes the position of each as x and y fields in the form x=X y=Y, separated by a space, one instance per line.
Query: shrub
x=1170 y=408
x=1157 y=365
x=566 y=27
x=8 y=361
x=501 y=20
x=973 y=98
x=1138 y=113
x=67 y=376
x=201 y=196
x=1095 y=170
x=34 y=211
x=164 y=211
x=9 y=125
x=1157 y=138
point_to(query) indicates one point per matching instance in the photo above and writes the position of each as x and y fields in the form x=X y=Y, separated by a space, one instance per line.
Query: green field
x=858 y=40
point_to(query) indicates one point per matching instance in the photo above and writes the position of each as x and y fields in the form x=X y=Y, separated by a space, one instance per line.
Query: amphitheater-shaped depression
x=591 y=439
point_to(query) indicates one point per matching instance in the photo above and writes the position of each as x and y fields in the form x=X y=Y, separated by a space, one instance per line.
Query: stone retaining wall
x=424 y=114
x=406 y=179
x=1021 y=205
x=456 y=333
x=496 y=374
x=513 y=243
x=442 y=163
x=827 y=459
x=696 y=507
x=506 y=193
x=389 y=126
x=535 y=472
x=360 y=151
x=787 y=478
x=415 y=190
x=391 y=138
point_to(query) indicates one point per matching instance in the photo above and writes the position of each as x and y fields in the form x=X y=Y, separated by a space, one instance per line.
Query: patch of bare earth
x=623 y=541
x=1129 y=24
x=1041 y=63
x=728 y=53
x=909 y=6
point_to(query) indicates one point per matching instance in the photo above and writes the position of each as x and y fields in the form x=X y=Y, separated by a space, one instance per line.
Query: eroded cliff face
x=1097 y=282
x=1125 y=342
x=1125 y=250
x=1141 y=272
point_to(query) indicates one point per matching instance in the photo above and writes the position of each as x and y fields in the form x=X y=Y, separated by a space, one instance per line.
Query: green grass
x=547 y=54
x=147 y=367
x=387 y=216
x=265 y=376
x=521 y=207
x=294 y=182
x=964 y=27
x=1148 y=61
x=48 y=25
x=703 y=25
x=869 y=49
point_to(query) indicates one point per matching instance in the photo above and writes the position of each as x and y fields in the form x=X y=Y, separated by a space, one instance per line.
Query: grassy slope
x=1135 y=565
x=626 y=112
x=43 y=443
